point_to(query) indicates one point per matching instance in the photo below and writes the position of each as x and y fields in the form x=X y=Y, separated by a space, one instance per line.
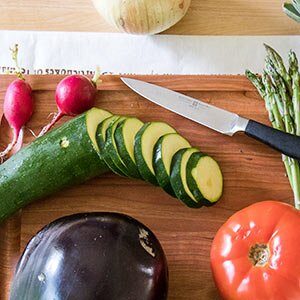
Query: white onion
x=142 y=16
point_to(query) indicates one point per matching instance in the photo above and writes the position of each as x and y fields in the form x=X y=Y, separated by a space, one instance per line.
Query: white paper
x=65 y=52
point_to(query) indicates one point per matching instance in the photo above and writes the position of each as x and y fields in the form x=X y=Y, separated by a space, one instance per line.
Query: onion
x=142 y=16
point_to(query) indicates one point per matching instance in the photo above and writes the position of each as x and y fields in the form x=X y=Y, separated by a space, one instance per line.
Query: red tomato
x=256 y=253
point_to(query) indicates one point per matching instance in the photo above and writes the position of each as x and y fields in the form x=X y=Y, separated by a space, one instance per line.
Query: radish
x=17 y=106
x=74 y=95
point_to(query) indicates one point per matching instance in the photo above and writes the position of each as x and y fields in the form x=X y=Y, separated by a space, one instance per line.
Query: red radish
x=18 y=106
x=74 y=95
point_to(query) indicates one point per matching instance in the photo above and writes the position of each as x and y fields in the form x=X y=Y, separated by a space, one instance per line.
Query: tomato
x=256 y=253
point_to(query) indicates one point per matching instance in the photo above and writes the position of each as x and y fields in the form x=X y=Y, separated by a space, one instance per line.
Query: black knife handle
x=285 y=143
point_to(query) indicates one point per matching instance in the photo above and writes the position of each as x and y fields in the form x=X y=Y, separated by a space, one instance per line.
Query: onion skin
x=142 y=16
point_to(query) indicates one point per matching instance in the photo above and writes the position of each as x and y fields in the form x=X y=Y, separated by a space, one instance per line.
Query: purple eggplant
x=107 y=256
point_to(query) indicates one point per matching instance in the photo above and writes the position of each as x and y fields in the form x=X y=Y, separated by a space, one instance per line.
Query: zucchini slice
x=204 y=178
x=144 y=143
x=124 y=138
x=101 y=138
x=101 y=131
x=164 y=150
x=178 y=177
x=95 y=117
x=110 y=147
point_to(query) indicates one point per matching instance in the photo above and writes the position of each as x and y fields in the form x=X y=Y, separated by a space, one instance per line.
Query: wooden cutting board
x=252 y=172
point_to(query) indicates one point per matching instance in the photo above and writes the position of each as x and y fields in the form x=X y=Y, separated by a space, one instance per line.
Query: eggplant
x=107 y=256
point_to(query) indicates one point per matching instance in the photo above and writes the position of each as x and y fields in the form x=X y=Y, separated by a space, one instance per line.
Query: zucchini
x=178 y=177
x=101 y=131
x=145 y=141
x=101 y=138
x=164 y=150
x=110 y=148
x=63 y=157
x=124 y=138
x=204 y=178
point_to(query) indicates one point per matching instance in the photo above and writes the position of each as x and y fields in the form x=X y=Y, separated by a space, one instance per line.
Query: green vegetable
x=145 y=141
x=101 y=138
x=164 y=150
x=101 y=131
x=279 y=87
x=178 y=177
x=65 y=156
x=110 y=148
x=292 y=10
x=95 y=142
x=124 y=138
x=204 y=178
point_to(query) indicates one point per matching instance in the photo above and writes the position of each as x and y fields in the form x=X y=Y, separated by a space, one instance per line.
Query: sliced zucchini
x=164 y=150
x=124 y=138
x=178 y=177
x=101 y=137
x=111 y=149
x=204 y=178
x=96 y=117
x=144 y=143
x=101 y=131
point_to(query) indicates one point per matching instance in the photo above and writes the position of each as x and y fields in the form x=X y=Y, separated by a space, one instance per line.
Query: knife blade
x=205 y=114
x=216 y=118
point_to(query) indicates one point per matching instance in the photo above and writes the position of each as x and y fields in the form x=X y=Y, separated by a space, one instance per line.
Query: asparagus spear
x=294 y=73
x=266 y=93
x=270 y=96
x=281 y=91
x=257 y=82
x=277 y=62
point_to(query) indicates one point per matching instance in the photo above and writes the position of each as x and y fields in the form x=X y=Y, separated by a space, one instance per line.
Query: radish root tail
x=9 y=148
x=55 y=119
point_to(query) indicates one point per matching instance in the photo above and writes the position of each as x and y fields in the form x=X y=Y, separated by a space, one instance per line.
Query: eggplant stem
x=55 y=119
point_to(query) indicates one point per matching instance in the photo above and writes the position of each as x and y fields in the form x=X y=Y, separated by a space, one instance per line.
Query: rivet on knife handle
x=287 y=144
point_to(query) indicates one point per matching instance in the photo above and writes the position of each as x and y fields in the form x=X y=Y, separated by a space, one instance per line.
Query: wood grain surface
x=210 y=17
x=252 y=172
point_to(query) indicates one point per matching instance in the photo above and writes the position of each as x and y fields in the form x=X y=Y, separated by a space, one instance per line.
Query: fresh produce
x=203 y=173
x=164 y=150
x=279 y=87
x=17 y=106
x=254 y=255
x=124 y=138
x=95 y=142
x=101 y=138
x=292 y=10
x=145 y=141
x=110 y=148
x=105 y=256
x=142 y=16
x=64 y=157
x=74 y=95
x=178 y=177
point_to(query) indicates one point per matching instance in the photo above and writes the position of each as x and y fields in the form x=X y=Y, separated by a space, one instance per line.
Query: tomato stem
x=259 y=255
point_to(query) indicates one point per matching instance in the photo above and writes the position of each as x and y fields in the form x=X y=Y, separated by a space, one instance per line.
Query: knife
x=216 y=118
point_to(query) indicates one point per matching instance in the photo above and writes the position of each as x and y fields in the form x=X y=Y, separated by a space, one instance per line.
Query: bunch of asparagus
x=280 y=89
